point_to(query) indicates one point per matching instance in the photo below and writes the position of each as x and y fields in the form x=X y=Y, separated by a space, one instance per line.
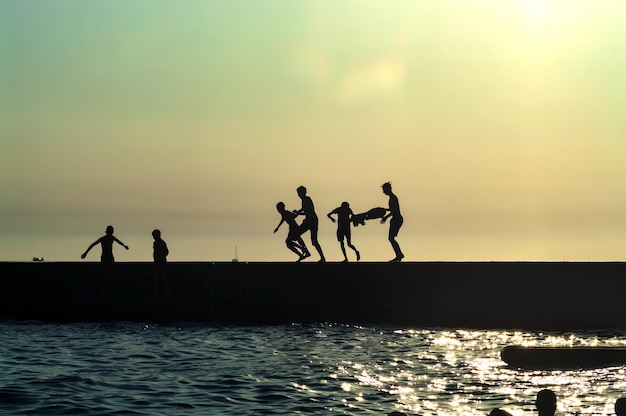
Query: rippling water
x=192 y=369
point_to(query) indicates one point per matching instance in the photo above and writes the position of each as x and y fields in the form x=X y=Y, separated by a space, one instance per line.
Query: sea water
x=133 y=368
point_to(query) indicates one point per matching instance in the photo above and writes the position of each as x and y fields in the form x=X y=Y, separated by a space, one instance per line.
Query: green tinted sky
x=500 y=123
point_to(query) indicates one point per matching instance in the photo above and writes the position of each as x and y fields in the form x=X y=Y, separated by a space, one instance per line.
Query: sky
x=499 y=123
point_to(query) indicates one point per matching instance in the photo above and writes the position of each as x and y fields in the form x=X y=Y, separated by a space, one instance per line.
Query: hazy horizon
x=500 y=125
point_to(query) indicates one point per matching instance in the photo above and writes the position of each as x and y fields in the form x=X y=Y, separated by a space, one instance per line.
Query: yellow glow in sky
x=499 y=123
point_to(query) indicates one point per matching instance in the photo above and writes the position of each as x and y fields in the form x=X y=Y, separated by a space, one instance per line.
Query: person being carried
x=310 y=222
x=344 y=216
x=159 y=254
x=396 y=221
x=106 y=241
x=293 y=241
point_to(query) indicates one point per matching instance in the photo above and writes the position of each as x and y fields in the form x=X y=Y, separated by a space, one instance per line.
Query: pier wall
x=524 y=295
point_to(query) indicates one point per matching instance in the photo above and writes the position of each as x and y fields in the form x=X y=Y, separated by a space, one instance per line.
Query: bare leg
x=343 y=250
x=166 y=283
x=294 y=247
x=349 y=241
x=305 y=251
x=316 y=244
x=161 y=281
x=396 y=249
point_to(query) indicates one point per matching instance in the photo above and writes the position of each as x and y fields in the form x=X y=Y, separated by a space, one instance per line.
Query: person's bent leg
x=349 y=241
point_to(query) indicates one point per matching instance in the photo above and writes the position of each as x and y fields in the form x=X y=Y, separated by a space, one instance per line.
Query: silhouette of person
x=396 y=221
x=106 y=241
x=310 y=222
x=546 y=402
x=499 y=412
x=293 y=241
x=344 y=217
x=159 y=254
x=620 y=406
x=397 y=414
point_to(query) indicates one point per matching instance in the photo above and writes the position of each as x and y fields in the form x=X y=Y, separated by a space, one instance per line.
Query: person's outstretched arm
x=82 y=256
x=279 y=224
x=120 y=243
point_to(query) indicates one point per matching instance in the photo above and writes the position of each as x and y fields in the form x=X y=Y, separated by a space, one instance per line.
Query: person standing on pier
x=344 y=216
x=396 y=221
x=106 y=241
x=310 y=222
x=159 y=254
x=294 y=242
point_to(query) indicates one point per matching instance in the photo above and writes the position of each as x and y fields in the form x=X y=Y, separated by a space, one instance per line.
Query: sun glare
x=538 y=8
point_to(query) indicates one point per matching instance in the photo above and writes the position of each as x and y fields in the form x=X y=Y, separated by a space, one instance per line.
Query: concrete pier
x=510 y=295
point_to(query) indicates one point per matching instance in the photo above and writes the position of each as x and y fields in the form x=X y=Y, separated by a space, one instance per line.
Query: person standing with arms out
x=107 y=259
x=106 y=241
x=344 y=215
x=310 y=222
x=396 y=221
x=159 y=254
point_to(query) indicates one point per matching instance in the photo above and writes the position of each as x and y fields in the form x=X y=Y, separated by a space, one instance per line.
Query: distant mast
x=236 y=259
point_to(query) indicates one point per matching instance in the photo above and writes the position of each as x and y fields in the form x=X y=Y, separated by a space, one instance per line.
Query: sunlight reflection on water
x=312 y=369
